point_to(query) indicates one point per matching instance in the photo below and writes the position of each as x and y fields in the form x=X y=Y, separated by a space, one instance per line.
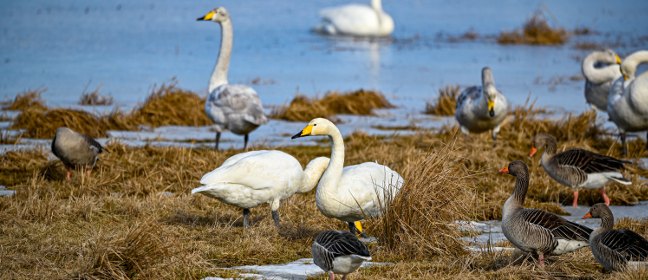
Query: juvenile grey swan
x=616 y=249
x=339 y=252
x=482 y=108
x=578 y=168
x=534 y=230
x=600 y=69
x=250 y=179
x=628 y=99
x=75 y=150
x=236 y=108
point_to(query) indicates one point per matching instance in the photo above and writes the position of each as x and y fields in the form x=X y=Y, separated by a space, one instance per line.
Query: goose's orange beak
x=533 y=151
x=588 y=215
x=504 y=170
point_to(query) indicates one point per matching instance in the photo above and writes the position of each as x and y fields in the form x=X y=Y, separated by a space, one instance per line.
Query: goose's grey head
x=515 y=168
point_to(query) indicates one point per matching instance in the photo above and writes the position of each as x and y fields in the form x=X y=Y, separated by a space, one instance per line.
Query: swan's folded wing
x=470 y=93
x=257 y=170
x=370 y=178
x=237 y=100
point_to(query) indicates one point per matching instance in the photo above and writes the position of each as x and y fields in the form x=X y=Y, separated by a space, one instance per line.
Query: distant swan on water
x=356 y=20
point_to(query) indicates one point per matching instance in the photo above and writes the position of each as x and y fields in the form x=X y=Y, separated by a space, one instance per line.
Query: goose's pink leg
x=575 y=203
x=605 y=197
x=541 y=259
x=331 y=275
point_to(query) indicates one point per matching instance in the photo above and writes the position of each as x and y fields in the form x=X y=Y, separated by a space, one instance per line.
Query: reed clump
x=30 y=99
x=359 y=102
x=170 y=105
x=536 y=31
x=446 y=102
x=43 y=124
x=94 y=98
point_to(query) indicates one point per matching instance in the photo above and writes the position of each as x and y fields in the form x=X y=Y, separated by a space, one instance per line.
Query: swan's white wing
x=232 y=101
x=256 y=170
x=638 y=91
x=351 y=19
x=370 y=184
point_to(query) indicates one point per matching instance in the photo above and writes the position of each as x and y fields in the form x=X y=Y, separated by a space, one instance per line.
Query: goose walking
x=534 y=230
x=356 y=20
x=482 y=108
x=578 y=168
x=339 y=252
x=600 y=69
x=75 y=150
x=616 y=249
x=354 y=192
x=628 y=99
x=236 y=108
x=250 y=179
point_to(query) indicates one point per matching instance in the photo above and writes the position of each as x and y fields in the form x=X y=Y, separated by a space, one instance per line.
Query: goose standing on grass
x=356 y=20
x=628 y=99
x=482 y=108
x=250 y=179
x=236 y=108
x=354 y=192
x=534 y=230
x=616 y=249
x=600 y=69
x=75 y=150
x=339 y=252
x=578 y=168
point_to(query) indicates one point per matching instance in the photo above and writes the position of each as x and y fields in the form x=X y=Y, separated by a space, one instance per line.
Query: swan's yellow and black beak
x=358 y=226
x=208 y=17
x=617 y=59
x=305 y=132
x=491 y=107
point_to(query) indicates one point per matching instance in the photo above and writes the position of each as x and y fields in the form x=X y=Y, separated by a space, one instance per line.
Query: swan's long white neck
x=603 y=74
x=376 y=5
x=313 y=173
x=488 y=86
x=328 y=184
x=219 y=76
x=631 y=62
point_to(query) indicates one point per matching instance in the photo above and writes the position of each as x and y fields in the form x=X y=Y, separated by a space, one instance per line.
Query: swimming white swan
x=481 y=108
x=250 y=179
x=354 y=192
x=356 y=20
x=628 y=99
x=601 y=69
x=236 y=108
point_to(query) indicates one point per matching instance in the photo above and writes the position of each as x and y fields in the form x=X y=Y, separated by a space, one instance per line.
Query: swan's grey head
x=216 y=15
x=318 y=126
x=488 y=85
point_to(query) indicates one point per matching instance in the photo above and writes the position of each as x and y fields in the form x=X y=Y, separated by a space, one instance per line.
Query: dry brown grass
x=359 y=102
x=135 y=218
x=30 y=99
x=166 y=105
x=536 y=31
x=94 y=98
x=446 y=103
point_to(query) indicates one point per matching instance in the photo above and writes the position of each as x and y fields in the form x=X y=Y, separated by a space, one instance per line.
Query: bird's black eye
x=315 y=125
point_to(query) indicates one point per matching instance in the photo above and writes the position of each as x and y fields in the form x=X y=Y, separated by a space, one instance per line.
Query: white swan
x=482 y=108
x=356 y=20
x=236 y=108
x=600 y=69
x=354 y=192
x=628 y=99
x=250 y=179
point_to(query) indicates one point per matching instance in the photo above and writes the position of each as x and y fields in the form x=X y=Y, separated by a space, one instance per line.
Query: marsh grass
x=166 y=105
x=446 y=102
x=95 y=98
x=359 y=102
x=536 y=31
x=134 y=216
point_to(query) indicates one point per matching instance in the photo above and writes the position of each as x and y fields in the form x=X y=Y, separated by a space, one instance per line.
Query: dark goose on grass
x=616 y=249
x=578 y=168
x=75 y=150
x=537 y=231
x=339 y=252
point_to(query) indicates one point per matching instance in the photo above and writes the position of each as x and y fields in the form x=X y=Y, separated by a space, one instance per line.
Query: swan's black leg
x=217 y=139
x=624 y=146
x=275 y=217
x=246 y=215
x=245 y=139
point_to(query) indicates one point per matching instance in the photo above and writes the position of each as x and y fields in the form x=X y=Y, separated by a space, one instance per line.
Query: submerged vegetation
x=135 y=216
x=359 y=102
x=536 y=31
x=446 y=103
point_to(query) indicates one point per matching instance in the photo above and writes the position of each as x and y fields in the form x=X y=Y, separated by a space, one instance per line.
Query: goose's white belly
x=566 y=246
x=347 y=264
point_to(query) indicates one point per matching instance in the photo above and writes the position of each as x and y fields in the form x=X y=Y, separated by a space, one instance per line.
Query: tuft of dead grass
x=43 y=124
x=359 y=102
x=30 y=99
x=170 y=105
x=536 y=31
x=94 y=98
x=446 y=103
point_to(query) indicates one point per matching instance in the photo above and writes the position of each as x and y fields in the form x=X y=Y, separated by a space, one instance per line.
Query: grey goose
x=339 y=252
x=75 y=150
x=533 y=230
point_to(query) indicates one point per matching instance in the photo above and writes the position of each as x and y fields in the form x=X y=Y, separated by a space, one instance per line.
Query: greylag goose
x=616 y=249
x=339 y=252
x=356 y=20
x=250 y=179
x=354 y=192
x=534 y=230
x=601 y=69
x=482 y=108
x=75 y=150
x=578 y=168
x=236 y=108
x=628 y=99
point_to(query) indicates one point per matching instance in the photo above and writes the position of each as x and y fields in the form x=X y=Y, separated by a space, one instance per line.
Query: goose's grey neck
x=219 y=76
x=521 y=187
x=607 y=219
